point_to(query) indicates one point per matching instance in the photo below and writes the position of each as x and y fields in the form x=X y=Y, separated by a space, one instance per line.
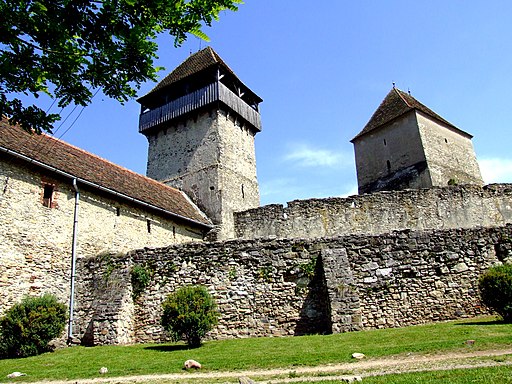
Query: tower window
x=446 y=141
x=118 y=211
x=148 y=224
x=388 y=165
x=243 y=193
x=385 y=142
x=48 y=191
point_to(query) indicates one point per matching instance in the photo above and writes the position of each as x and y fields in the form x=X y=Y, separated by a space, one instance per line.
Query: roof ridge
x=399 y=93
x=212 y=52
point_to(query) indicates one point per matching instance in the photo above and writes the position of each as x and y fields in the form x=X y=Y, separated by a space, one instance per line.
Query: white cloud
x=496 y=170
x=304 y=155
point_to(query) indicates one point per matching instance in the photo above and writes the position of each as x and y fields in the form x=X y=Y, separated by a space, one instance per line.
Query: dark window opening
x=212 y=188
x=446 y=141
x=174 y=231
x=118 y=211
x=148 y=223
x=388 y=165
x=243 y=193
x=385 y=142
x=48 y=195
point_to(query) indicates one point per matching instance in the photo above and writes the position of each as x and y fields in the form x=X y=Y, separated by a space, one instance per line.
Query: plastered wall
x=35 y=240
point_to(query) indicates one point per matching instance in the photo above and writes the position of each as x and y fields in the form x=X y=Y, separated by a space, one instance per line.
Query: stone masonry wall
x=211 y=157
x=450 y=155
x=463 y=206
x=287 y=287
x=35 y=241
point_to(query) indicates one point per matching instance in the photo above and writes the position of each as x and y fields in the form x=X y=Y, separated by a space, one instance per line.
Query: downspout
x=73 y=264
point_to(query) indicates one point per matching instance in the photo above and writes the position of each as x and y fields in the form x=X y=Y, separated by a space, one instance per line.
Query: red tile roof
x=394 y=105
x=100 y=172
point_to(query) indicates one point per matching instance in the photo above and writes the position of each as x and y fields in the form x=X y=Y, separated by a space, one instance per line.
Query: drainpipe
x=73 y=264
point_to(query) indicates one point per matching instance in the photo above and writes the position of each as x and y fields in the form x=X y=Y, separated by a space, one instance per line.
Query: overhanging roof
x=100 y=173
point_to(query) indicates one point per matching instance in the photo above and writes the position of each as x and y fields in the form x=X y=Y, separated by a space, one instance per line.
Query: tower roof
x=394 y=105
x=202 y=60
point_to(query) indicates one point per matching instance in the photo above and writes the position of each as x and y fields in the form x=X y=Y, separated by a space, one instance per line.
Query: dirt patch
x=363 y=368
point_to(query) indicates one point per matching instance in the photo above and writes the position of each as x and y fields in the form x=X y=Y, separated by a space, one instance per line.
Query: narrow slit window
x=118 y=211
x=48 y=195
x=388 y=164
x=148 y=224
x=243 y=192
x=385 y=143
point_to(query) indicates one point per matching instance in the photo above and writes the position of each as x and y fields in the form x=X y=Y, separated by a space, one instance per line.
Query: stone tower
x=407 y=145
x=200 y=122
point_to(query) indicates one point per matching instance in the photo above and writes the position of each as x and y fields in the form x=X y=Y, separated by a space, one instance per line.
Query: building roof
x=202 y=60
x=394 y=105
x=97 y=172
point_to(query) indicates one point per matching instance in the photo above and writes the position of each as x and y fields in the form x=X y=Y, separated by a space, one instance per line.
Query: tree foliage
x=27 y=327
x=189 y=312
x=495 y=287
x=68 y=48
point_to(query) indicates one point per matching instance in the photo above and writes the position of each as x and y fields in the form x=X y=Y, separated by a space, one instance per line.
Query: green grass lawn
x=495 y=375
x=261 y=353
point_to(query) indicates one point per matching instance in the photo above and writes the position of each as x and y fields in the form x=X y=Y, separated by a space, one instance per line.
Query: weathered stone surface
x=212 y=158
x=463 y=206
x=263 y=287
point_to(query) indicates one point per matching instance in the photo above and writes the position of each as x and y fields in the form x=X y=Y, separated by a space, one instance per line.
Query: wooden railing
x=197 y=99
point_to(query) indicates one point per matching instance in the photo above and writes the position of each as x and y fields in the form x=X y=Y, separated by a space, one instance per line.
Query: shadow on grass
x=168 y=348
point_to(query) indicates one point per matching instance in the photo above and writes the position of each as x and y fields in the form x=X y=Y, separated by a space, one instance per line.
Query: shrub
x=28 y=327
x=496 y=290
x=140 y=278
x=189 y=312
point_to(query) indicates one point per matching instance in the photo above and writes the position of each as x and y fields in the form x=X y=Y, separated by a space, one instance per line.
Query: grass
x=501 y=375
x=261 y=353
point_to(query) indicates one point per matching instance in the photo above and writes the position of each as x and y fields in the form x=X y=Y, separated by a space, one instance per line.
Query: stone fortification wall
x=35 y=240
x=463 y=206
x=286 y=287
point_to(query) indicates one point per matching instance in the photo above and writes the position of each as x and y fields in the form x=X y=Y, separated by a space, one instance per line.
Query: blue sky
x=322 y=68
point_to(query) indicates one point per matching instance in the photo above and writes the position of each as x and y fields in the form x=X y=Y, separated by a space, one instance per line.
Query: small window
x=446 y=141
x=148 y=223
x=388 y=165
x=118 y=211
x=243 y=192
x=48 y=191
x=385 y=142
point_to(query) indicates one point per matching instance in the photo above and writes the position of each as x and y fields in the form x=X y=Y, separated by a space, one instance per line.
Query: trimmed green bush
x=496 y=290
x=189 y=312
x=28 y=327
